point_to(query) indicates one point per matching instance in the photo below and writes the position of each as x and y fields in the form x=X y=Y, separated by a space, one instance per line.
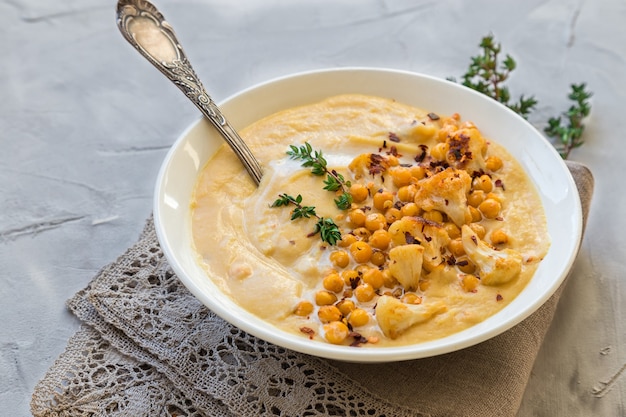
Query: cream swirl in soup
x=444 y=228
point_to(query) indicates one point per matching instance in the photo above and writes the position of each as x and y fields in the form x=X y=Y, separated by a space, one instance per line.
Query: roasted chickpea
x=494 y=196
x=493 y=163
x=346 y=307
x=361 y=233
x=434 y=216
x=383 y=200
x=336 y=332
x=378 y=258
x=356 y=218
x=393 y=161
x=374 y=277
x=499 y=237
x=380 y=239
x=350 y=277
x=333 y=282
x=410 y=209
x=329 y=313
x=304 y=308
x=401 y=176
x=475 y=198
x=392 y=214
x=469 y=282
x=455 y=246
x=346 y=240
x=358 y=317
x=324 y=298
x=359 y=192
x=439 y=151
x=407 y=193
x=476 y=215
x=452 y=230
x=483 y=183
x=390 y=281
x=418 y=172
x=361 y=251
x=339 y=258
x=411 y=298
x=375 y=221
x=490 y=208
x=364 y=293
x=361 y=269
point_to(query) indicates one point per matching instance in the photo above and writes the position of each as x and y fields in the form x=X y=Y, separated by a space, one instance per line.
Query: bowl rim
x=282 y=338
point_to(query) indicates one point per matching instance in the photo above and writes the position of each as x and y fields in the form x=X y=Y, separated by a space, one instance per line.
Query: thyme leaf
x=568 y=127
x=327 y=228
x=344 y=201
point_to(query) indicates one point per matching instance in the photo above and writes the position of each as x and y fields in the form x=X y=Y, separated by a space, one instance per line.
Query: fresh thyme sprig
x=334 y=181
x=300 y=211
x=327 y=228
x=487 y=74
x=569 y=134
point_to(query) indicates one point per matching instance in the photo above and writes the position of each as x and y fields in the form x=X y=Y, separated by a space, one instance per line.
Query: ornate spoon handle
x=144 y=27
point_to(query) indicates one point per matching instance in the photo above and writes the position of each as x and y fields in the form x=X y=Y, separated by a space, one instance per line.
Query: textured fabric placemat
x=147 y=347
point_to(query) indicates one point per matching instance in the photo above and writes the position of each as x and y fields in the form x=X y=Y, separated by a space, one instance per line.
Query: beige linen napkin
x=147 y=347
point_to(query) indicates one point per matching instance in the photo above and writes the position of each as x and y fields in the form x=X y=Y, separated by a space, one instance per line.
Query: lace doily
x=149 y=348
x=149 y=345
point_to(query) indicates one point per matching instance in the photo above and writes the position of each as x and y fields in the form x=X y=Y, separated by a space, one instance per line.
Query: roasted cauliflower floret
x=395 y=317
x=430 y=235
x=466 y=149
x=405 y=265
x=370 y=165
x=446 y=191
x=496 y=266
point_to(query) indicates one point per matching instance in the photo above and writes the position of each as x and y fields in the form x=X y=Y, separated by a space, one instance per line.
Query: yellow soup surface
x=443 y=230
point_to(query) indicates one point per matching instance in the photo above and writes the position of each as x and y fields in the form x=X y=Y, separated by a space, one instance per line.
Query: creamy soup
x=442 y=227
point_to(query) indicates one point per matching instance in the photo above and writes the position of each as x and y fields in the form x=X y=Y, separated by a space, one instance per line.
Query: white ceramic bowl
x=542 y=163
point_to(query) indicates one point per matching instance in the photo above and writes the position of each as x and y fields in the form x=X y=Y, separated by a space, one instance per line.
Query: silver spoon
x=144 y=27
